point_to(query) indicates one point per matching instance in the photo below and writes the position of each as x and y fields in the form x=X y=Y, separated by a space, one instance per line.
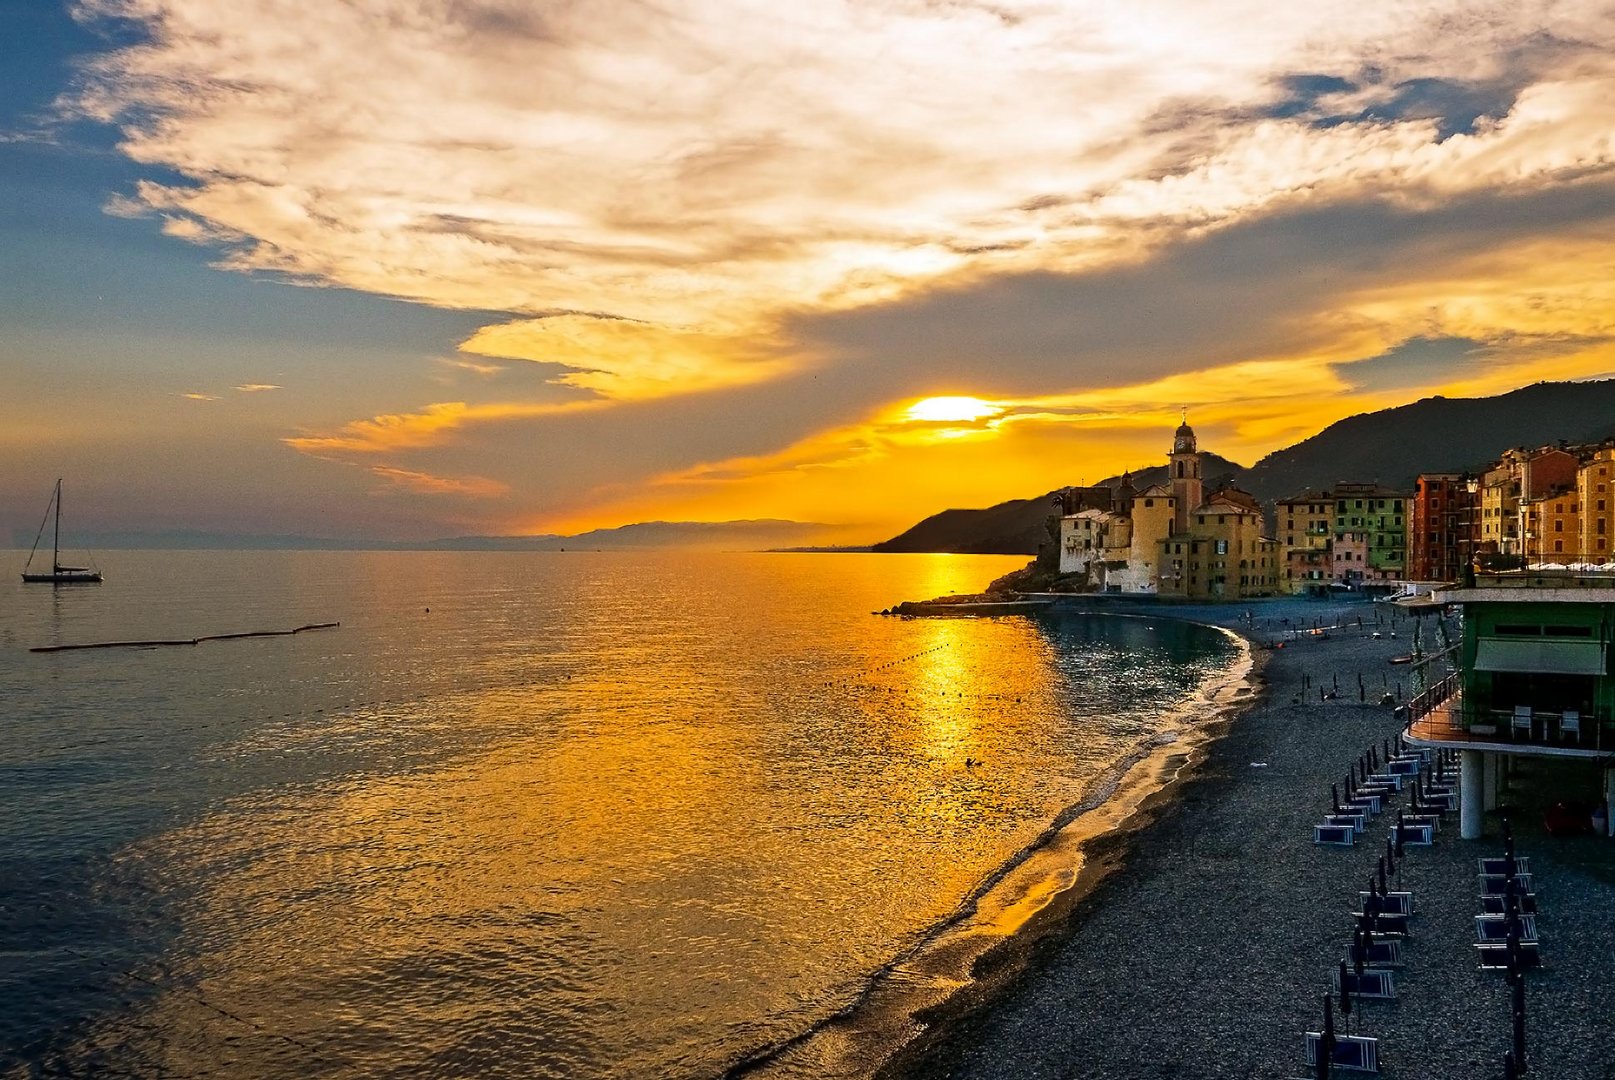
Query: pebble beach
x=1206 y=951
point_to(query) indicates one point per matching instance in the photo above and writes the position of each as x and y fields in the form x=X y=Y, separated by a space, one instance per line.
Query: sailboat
x=59 y=574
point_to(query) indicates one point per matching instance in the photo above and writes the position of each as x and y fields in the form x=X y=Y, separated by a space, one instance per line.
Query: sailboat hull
x=91 y=578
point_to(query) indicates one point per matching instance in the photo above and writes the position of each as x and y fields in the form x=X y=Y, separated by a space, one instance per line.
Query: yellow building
x=1552 y=527
x=1303 y=524
x=1595 y=491
x=1154 y=510
x=1222 y=555
x=1519 y=477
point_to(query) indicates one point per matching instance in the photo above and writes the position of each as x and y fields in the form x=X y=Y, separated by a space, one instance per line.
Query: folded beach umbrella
x=1359 y=951
x=1517 y=979
x=1345 y=995
x=1326 y=1043
x=1383 y=890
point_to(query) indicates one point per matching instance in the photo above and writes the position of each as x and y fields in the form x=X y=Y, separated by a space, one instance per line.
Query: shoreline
x=1106 y=855
x=1206 y=951
x=972 y=956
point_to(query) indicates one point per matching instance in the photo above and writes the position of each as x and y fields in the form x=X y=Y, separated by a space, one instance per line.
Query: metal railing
x=1442 y=713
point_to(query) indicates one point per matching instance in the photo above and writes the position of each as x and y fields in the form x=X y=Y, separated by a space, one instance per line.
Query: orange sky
x=411 y=269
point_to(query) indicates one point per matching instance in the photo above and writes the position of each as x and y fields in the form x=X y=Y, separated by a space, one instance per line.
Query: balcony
x=1440 y=717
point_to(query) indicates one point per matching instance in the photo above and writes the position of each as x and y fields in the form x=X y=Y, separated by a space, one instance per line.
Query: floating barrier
x=156 y=643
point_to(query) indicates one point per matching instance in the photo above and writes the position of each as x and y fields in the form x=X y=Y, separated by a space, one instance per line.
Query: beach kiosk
x=1532 y=680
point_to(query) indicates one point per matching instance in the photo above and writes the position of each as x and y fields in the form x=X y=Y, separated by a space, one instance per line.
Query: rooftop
x=1583 y=583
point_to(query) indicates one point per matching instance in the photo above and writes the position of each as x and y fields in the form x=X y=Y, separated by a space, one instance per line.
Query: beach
x=1206 y=950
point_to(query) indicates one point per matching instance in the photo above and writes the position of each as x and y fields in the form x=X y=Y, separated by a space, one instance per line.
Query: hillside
x=1018 y=526
x=1391 y=446
x=1436 y=434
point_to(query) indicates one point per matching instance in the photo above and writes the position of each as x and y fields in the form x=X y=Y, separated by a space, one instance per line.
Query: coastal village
x=1450 y=751
x=1176 y=540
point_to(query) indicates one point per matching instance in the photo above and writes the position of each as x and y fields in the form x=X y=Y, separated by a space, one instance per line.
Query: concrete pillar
x=1491 y=780
x=1471 y=794
x=1609 y=801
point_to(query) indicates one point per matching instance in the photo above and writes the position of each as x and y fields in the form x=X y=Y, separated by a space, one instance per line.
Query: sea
x=567 y=814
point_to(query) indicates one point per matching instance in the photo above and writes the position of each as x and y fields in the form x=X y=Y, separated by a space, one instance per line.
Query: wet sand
x=1206 y=951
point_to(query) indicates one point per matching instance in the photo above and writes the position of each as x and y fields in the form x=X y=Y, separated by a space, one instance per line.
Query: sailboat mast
x=56 y=533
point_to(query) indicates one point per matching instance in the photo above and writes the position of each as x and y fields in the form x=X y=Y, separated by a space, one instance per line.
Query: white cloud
x=712 y=164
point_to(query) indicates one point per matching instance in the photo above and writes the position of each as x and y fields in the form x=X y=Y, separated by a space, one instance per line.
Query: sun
x=948 y=409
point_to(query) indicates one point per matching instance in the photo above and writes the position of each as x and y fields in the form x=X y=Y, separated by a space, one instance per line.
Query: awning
x=1543 y=657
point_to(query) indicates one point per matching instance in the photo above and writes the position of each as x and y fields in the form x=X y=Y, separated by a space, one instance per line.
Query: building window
x=1222 y=545
x=1558 y=545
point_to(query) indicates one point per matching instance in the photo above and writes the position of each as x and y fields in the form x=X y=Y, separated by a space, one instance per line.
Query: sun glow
x=951 y=409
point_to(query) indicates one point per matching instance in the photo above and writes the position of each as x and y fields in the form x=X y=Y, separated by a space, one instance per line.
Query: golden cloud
x=626 y=360
x=427 y=484
x=429 y=427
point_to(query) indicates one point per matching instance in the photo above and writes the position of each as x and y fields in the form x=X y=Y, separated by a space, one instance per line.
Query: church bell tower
x=1184 y=466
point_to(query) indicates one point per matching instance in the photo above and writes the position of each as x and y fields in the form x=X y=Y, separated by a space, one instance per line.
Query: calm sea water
x=526 y=815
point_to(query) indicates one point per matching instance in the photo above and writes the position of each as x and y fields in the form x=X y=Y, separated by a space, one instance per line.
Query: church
x=1170 y=539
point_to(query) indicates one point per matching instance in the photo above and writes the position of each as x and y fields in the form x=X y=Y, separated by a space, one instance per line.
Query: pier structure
x=1532 y=683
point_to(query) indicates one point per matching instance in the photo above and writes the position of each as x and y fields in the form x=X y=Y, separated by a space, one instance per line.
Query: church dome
x=1183 y=440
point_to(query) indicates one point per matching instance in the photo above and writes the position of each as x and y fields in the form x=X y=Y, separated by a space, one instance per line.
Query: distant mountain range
x=750 y=535
x=1391 y=446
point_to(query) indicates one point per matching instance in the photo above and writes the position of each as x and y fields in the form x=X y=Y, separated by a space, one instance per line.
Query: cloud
x=626 y=360
x=256 y=388
x=200 y=397
x=432 y=426
x=427 y=484
x=708 y=170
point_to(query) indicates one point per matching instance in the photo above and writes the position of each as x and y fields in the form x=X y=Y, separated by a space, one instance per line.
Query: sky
x=406 y=269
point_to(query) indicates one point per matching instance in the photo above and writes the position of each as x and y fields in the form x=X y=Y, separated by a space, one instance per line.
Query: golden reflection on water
x=741 y=796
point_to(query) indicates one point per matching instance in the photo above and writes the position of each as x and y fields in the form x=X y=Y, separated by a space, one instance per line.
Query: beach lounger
x=1371 y=803
x=1369 y=986
x=1497 y=884
x=1383 y=953
x=1422 y=820
x=1334 y=835
x=1437 y=801
x=1359 y=1053
x=1494 y=956
x=1384 y=779
x=1392 y=903
x=1497 y=904
x=1404 y=768
x=1418 y=835
x=1358 y=822
x=1494 y=929
x=1388 y=926
x=1499 y=867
